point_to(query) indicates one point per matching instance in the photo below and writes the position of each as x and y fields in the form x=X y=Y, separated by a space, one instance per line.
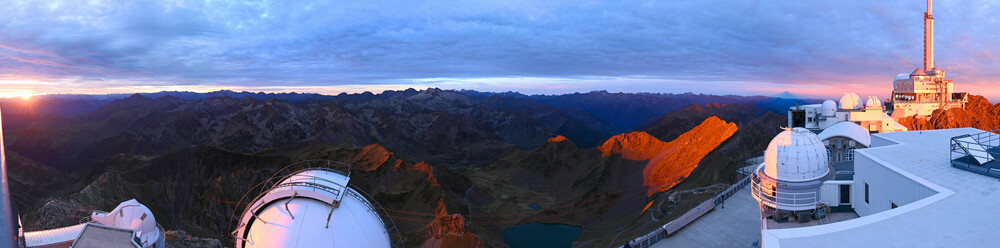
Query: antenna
x=8 y=231
x=929 y=37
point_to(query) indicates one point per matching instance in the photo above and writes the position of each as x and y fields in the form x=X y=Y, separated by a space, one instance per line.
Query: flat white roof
x=961 y=214
x=63 y=235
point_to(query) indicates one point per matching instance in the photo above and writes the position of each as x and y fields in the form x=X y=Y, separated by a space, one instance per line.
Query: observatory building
x=922 y=91
x=909 y=189
x=312 y=207
x=795 y=167
x=870 y=115
x=888 y=189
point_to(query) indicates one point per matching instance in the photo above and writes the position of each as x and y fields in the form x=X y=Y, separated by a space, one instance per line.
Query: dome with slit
x=850 y=101
x=873 y=102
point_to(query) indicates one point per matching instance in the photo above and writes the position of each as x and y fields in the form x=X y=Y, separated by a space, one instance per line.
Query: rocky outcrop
x=558 y=138
x=978 y=113
x=670 y=162
x=371 y=157
x=426 y=168
x=448 y=230
x=181 y=239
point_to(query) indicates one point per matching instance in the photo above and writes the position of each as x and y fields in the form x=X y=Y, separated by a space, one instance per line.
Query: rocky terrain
x=978 y=113
x=449 y=168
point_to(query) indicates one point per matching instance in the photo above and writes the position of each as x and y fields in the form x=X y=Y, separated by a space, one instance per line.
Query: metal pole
x=8 y=230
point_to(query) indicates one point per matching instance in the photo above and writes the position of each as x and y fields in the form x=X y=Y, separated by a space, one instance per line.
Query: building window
x=850 y=154
x=893 y=205
x=840 y=143
x=840 y=156
x=829 y=154
x=866 y=194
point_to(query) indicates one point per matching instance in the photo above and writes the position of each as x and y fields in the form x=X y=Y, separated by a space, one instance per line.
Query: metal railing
x=374 y=207
x=662 y=232
x=721 y=197
x=975 y=152
x=279 y=176
x=775 y=197
x=275 y=182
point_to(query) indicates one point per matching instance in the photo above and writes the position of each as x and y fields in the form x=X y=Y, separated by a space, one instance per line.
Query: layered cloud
x=535 y=46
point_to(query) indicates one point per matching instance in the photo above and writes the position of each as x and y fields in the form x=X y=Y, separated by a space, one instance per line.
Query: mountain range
x=451 y=168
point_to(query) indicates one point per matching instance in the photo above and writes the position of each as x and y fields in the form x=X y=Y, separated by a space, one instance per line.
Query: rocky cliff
x=978 y=113
x=670 y=162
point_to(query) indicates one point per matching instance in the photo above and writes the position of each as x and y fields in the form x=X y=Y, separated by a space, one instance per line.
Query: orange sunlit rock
x=978 y=113
x=558 y=138
x=426 y=168
x=670 y=162
x=371 y=157
x=448 y=230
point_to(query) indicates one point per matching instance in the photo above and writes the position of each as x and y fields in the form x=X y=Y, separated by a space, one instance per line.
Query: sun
x=24 y=95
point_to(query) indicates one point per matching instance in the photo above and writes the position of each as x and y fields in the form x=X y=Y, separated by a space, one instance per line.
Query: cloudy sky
x=811 y=48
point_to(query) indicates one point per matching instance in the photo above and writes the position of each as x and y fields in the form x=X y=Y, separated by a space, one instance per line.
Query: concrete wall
x=885 y=186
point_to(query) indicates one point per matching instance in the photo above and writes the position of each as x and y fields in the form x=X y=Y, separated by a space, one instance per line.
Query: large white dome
x=796 y=155
x=850 y=101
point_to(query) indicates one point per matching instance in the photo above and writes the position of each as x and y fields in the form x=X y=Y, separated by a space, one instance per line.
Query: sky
x=745 y=47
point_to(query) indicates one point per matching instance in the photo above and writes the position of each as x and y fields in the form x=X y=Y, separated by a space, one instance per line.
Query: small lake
x=533 y=235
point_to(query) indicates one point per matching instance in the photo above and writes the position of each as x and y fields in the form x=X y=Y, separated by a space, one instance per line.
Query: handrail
x=376 y=208
x=979 y=147
x=775 y=197
x=283 y=178
x=279 y=176
x=661 y=232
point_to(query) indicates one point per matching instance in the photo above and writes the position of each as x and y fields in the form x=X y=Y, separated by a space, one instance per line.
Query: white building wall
x=885 y=186
x=830 y=192
x=878 y=141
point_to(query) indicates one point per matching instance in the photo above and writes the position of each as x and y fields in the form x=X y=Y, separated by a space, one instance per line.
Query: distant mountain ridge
x=453 y=167
x=440 y=126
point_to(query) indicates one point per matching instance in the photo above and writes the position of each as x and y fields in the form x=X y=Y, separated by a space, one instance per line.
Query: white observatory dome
x=132 y=215
x=873 y=102
x=796 y=155
x=849 y=101
x=902 y=76
x=829 y=108
x=312 y=208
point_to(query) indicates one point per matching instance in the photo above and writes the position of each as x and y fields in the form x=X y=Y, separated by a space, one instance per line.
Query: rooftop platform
x=830 y=218
x=958 y=211
x=101 y=236
x=735 y=224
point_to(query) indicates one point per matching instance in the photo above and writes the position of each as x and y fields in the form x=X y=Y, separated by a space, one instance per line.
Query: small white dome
x=796 y=155
x=132 y=215
x=873 y=102
x=829 y=108
x=850 y=101
x=902 y=76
